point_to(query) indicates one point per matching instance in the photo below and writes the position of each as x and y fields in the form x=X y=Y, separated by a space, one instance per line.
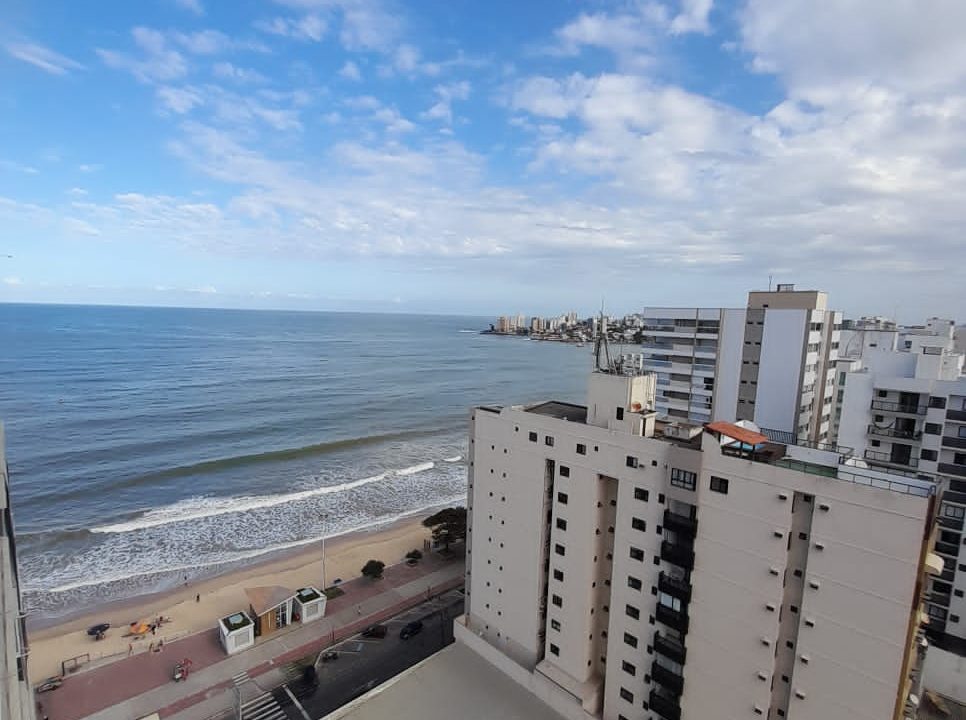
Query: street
x=363 y=663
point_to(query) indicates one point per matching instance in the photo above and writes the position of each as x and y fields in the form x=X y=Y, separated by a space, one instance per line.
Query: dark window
x=560 y=549
x=928 y=455
x=558 y=574
x=638 y=524
x=554 y=650
x=630 y=640
x=555 y=625
x=631 y=461
x=581 y=449
x=882 y=393
x=637 y=554
x=632 y=612
x=937 y=402
x=557 y=601
x=562 y=498
x=633 y=582
x=548 y=441
x=564 y=471
x=953 y=618
x=640 y=494
x=683 y=478
x=932 y=429
x=958 y=593
x=627 y=695
x=628 y=668
x=533 y=437
x=561 y=524
x=793 y=608
x=719 y=484
x=620 y=413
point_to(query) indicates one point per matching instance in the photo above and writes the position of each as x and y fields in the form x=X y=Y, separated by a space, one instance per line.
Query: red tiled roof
x=749 y=437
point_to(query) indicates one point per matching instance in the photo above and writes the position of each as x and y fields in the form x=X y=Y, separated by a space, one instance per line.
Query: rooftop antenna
x=769 y=283
x=602 y=361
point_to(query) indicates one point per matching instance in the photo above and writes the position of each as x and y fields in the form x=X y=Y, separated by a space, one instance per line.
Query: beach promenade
x=133 y=687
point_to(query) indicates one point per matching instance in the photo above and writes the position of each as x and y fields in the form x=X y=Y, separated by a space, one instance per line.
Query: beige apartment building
x=630 y=569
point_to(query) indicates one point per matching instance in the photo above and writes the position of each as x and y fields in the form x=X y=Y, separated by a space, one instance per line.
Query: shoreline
x=197 y=606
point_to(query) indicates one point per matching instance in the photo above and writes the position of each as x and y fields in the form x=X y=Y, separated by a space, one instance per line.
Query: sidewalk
x=142 y=684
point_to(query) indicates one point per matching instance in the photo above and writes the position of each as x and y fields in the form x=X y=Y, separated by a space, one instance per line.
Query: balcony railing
x=939 y=598
x=674 y=587
x=946 y=548
x=893 y=433
x=670 y=648
x=682 y=524
x=902 y=408
x=950 y=523
x=950 y=469
x=677 y=619
x=954 y=442
x=884 y=457
x=669 y=680
x=680 y=555
x=667 y=706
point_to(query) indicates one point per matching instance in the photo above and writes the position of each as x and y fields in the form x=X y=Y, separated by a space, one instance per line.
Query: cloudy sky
x=483 y=157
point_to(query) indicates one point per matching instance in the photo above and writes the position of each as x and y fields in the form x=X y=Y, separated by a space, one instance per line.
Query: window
x=560 y=549
x=554 y=650
x=581 y=449
x=962 y=431
x=640 y=494
x=952 y=511
x=932 y=429
x=928 y=454
x=558 y=574
x=630 y=640
x=637 y=554
x=555 y=625
x=628 y=668
x=632 y=612
x=683 y=478
x=633 y=582
x=556 y=600
x=954 y=618
x=561 y=524
x=564 y=471
x=631 y=461
x=719 y=484
x=882 y=393
x=638 y=524
x=548 y=441
x=937 y=402
x=533 y=437
x=627 y=695
x=620 y=413
x=562 y=498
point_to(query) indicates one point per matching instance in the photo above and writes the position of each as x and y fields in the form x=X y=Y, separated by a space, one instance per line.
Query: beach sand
x=219 y=596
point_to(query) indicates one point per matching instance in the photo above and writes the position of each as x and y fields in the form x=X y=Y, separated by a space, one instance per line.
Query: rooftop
x=455 y=682
x=560 y=410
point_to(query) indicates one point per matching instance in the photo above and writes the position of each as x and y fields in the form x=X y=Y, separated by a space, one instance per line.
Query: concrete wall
x=779 y=373
x=728 y=371
x=945 y=673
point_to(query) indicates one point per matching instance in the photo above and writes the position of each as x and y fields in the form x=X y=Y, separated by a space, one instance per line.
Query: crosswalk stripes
x=292 y=671
x=240 y=678
x=264 y=707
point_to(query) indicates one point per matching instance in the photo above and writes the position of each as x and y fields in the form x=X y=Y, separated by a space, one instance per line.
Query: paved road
x=363 y=663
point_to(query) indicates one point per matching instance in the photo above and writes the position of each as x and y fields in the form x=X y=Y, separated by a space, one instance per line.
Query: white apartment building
x=771 y=362
x=624 y=568
x=16 y=693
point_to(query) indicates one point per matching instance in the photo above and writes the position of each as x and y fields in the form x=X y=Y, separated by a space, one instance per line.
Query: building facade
x=772 y=362
x=16 y=694
x=634 y=569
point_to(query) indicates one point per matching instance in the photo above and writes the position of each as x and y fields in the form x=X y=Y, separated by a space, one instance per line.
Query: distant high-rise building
x=16 y=693
x=630 y=568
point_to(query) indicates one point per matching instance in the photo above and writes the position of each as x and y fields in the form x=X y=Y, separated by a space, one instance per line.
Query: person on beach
x=154 y=629
x=160 y=644
x=198 y=598
x=151 y=646
x=130 y=649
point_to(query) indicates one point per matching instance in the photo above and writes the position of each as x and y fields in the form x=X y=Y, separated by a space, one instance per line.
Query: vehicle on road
x=330 y=656
x=51 y=683
x=409 y=629
x=375 y=631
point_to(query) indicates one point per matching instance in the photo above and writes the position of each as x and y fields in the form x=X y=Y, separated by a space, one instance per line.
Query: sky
x=483 y=157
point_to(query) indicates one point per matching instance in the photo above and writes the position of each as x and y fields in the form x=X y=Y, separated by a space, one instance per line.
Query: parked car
x=330 y=656
x=51 y=683
x=410 y=629
x=375 y=631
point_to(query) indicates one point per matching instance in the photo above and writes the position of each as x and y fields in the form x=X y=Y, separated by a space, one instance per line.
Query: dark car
x=410 y=629
x=375 y=631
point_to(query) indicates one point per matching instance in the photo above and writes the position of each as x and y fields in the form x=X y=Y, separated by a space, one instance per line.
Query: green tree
x=448 y=525
x=373 y=569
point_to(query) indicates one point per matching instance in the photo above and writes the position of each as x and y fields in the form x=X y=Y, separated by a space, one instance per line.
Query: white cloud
x=394 y=122
x=158 y=61
x=203 y=42
x=350 y=71
x=693 y=17
x=18 y=167
x=89 y=167
x=12 y=280
x=42 y=57
x=446 y=94
x=240 y=75
x=179 y=100
x=193 y=6
x=80 y=227
x=307 y=27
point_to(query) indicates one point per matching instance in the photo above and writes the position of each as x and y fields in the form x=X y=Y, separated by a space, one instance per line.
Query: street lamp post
x=325 y=518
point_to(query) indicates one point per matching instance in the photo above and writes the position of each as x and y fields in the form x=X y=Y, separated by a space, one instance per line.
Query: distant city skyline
x=376 y=155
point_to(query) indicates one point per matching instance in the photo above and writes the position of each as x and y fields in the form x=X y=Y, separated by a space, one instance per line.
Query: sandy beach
x=345 y=556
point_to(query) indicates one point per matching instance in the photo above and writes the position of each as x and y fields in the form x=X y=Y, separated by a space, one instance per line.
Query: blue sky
x=483 y=157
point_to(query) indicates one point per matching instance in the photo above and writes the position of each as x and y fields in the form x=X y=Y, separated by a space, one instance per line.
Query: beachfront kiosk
x=237 y=632
x=271 y=606
x=309 y=605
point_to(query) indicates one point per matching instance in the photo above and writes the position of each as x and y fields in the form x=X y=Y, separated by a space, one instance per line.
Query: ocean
x=150 y=445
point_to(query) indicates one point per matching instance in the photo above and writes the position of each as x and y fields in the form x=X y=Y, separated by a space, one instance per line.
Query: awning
x=934 y=564
x=743 y=435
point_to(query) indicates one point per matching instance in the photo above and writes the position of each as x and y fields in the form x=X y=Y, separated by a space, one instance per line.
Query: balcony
x=950 y=469
x=669 y=680
x=912 y=435
x=681 y=589
x=899 y=408
x=889 y=459
x=939 y=598
x=954 y=442
x=681 y=524
x=670 y=648
x=944 y=548
x=956 y=415
x=677 y=619
x=666 y=706
x=680 y=555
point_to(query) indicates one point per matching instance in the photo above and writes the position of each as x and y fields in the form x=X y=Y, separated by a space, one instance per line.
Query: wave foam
x=455 y=458
x=412 y=470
